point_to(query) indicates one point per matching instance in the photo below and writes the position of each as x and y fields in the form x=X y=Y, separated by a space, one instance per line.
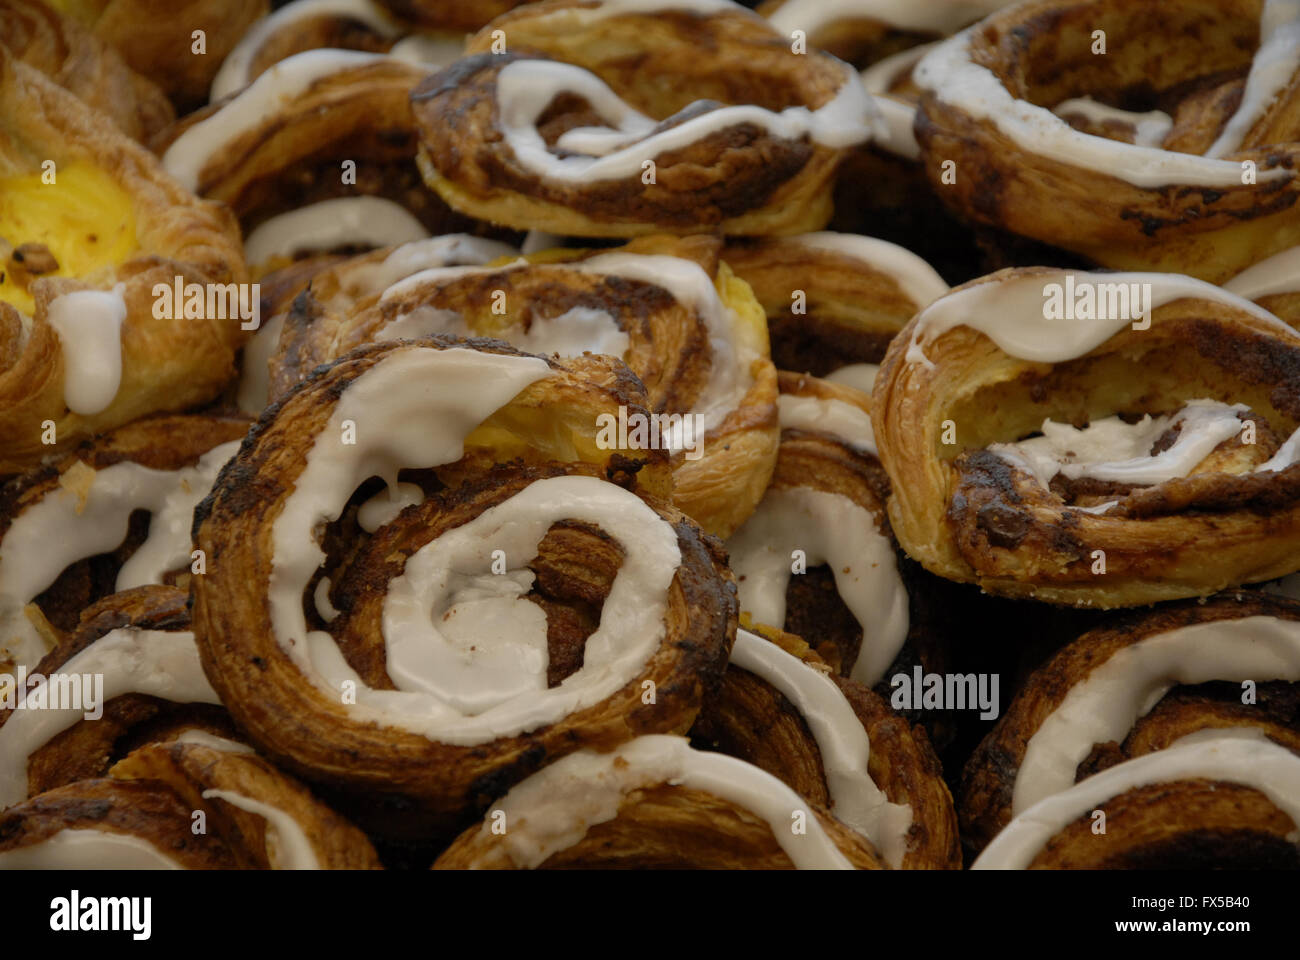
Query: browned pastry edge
x=852 y=310
x=167 y=442
x=1196 y=824
x=76 y=59
x=192 y=769
x=750 y=719
x=415 y=784
x=1041 y=52
x=143 y=809
x=670 y=828
x=990 y=773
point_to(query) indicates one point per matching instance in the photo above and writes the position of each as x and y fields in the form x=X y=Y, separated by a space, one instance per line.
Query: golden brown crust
x=294 y=155
x=193 y=769
x=451 y=14
x=76 y=59
x=159 y=443
x=990 y=774
x=966 y=514
x=752 y=720
x=156 y=37
x=1188 y=824
x=411 y=782
x=88 y=748
x=146 y=810
x=1041 y=52
x=668 y=828
x=740 y=180
x=849 y=313
x=167 y=364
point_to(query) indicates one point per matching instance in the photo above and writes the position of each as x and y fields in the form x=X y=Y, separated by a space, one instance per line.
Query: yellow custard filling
x=84 y=219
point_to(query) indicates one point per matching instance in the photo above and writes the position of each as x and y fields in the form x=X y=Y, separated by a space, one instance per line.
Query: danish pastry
x=835 y=742
x=1164 y=464
x=424 y=682
x=1173 y=151
x=92 y=227
x=656 y=803
x=76 y=59
x=568 y=134
x=686 y=327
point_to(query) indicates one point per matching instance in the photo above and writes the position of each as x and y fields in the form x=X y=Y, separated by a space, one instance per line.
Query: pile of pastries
x=650 y=433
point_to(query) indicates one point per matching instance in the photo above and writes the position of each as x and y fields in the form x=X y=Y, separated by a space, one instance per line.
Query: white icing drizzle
x=536 y=240
x=287 y=846
x=431 y=50
x=881 y=75
x=202 y=738
x=1149 y=128
x=917 y=280
x=1113 y=450
x=452 y=249
x=848 y=424
x=278 y=84
x=413 y=409
x=570 y=334
x=168 y=544
x=859 y=376
x=897 y=136
x=830 y=529
x=931 y=16
x=326 y=610
x=155 y=663
x=1274 y=65
x=841 y=738
x=342 y=221
x=732 y=353
x=1010 y=311
x=553 y=809
x=1262 y=765
x=235 y=69
x=525 y=88
x=1280 y=273
x=255 y=370
x=1287 y=454
x=89 y=325
x=949 y=72
x=52 y=533
x=88 y=849
x=1107 y=703
x=384 y=506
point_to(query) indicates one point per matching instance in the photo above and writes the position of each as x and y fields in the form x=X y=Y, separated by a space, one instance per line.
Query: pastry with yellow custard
x=90 y=226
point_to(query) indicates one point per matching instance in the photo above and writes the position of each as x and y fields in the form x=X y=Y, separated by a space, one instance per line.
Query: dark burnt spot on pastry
x=1003 y=526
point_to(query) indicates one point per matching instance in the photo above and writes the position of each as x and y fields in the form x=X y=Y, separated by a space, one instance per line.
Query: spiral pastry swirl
x=424 y=677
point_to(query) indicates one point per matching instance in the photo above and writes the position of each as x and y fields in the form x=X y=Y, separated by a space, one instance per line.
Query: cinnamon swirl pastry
x=451 y=14
x=198 y=802
x=1228 y=802
x=1173 y=151
x=1184 y=672
x=833 y=299
x=817 y=557
x=134 y=675
x=112 y=516
x=670 y=308
x=602 y=120
x=76 y=59
x=303 y=25
x=655 y=803
x=92 y=226
x=324 y=139
x=867 y=31
x=538 y=597
x=836 y=743
x=1164 y=463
